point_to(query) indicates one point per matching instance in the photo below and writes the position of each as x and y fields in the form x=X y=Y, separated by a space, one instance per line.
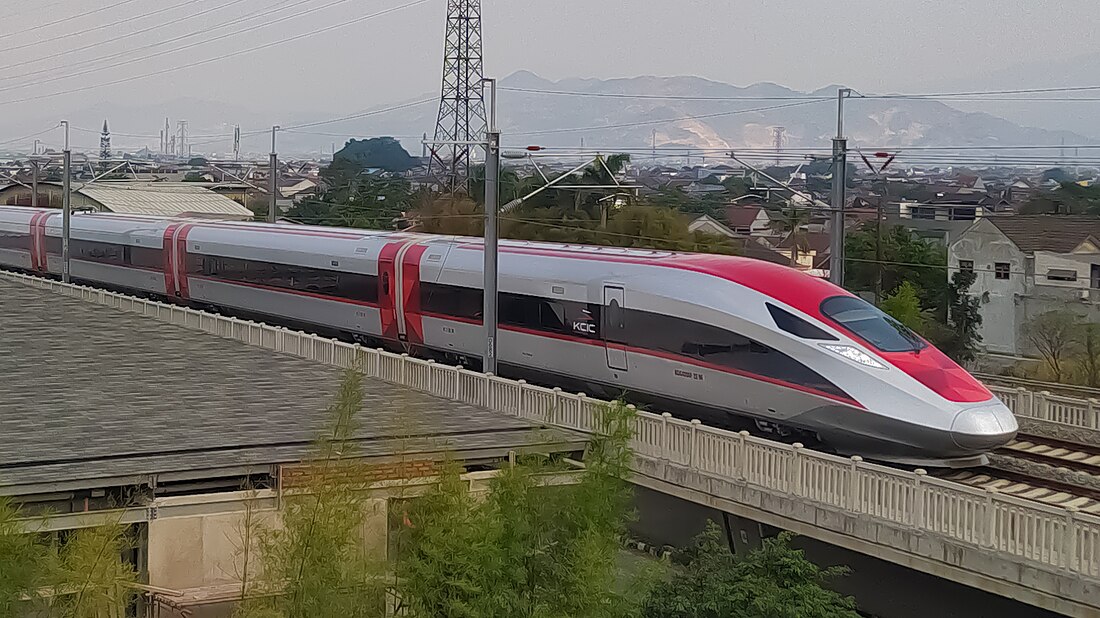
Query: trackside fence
x=1062 y=539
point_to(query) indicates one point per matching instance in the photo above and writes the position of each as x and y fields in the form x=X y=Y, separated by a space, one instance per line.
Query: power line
x=216 y=58
x=133 y=60
x=95 y=28
x=130 y=51
x=65 y=19
x=662 y=97
x=805 y=97
x=29 y=137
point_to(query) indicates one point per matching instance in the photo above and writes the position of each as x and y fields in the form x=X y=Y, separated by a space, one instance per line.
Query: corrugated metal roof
x=166 y=201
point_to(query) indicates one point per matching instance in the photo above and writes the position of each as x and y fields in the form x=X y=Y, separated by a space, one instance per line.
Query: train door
x=387 y=290
x=614 y=326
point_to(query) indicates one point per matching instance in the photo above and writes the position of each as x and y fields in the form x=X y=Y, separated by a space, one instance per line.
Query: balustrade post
x=555 y=407
x=794 y=479
x=854 y=500
x=488 y=382
x=664 y=435
x=694 y=448
x=1069 y=538
x=1092 y=421
x=990 y=520
x=1042 y=406
x=1024 y=402
x=918 y=498
x=458 y=384
x=404 y=370
x=743 y=465
x=521 y=405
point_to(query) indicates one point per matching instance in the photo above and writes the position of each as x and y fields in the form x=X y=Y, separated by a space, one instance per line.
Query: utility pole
x=36 y=142
x=66 y=205
x=840 y=169
x=273 y=179
x=654 y=151
x=34 y=182
x=237 y=143
x=492 y=206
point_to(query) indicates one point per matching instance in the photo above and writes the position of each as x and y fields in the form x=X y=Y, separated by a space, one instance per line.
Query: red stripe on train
x=181 y=259
x=410 y=278
x=169 y=264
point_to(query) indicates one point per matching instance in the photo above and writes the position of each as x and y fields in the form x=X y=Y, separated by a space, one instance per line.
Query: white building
x=1028 y=265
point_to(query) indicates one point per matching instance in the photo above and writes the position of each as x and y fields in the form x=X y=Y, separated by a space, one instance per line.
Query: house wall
x=1008 y=305
x=206 y=551
x=985 y=245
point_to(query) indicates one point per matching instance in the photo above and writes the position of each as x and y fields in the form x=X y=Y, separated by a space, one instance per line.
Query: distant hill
x=527 y=117
x=538 y=118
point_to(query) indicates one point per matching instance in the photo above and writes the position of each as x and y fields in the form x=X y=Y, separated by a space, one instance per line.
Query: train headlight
x=853 y=354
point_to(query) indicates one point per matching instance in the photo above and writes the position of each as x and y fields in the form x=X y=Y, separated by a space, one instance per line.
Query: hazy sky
x=873 y=45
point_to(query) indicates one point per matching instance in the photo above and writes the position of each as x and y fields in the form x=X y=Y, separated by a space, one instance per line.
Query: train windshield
x=872 y=325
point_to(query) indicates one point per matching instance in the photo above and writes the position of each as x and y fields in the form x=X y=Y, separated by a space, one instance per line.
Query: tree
x=84 y=577
x=791 y=223
x=525 y=550
x=775 y=581
x=385 y=153
x=904 y=306
x=315 y=563
x=1090 y=361
x=22 y=560
x=959 y=338
x=357 y=200
x=905 y=258
x=1055 y=336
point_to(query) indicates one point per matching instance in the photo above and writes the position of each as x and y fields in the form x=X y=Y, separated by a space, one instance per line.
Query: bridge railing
x=1056 y=538
x=1048 y=407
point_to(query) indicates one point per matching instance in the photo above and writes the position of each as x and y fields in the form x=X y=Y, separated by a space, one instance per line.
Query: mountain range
x=609 y=114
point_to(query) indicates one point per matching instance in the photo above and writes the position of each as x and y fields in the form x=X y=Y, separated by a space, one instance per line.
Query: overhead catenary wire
x=54 y=39
x=142 y=58
x=130 y=51
x=216 y=58
x=65 y=19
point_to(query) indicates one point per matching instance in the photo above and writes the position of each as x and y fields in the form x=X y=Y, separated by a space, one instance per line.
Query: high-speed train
x=716 y=337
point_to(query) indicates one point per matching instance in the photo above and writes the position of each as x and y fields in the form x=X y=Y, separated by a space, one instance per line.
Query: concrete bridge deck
x=1044 y=556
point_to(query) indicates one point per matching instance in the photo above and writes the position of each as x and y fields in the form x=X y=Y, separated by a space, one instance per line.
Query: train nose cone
x=984 y=428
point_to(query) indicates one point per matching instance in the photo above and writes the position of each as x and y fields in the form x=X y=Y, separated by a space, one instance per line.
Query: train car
x=714 y=337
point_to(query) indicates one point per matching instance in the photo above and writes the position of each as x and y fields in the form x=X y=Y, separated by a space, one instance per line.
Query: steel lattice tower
x=461 y=105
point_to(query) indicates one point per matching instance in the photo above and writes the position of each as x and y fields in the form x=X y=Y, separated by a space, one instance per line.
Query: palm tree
x=791 y=223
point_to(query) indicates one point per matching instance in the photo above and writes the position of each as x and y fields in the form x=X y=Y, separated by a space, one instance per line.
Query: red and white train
x=716 y=337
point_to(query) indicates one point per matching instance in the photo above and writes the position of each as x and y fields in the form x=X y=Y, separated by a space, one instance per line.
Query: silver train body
x=714 y=337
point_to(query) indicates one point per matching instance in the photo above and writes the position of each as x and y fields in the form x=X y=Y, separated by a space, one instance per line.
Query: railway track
x=1056 y=453
x=1042 y=470
x=1050 y=492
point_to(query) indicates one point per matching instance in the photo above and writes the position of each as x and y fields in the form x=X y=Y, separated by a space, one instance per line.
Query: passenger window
x=796 y=326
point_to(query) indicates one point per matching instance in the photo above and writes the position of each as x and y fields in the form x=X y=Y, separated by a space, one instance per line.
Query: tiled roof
x=741 y=216
x=168 y=201
x=92 y=393
x=1054 y=233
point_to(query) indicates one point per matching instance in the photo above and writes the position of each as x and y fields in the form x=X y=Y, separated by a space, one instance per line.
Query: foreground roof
x=95 y=397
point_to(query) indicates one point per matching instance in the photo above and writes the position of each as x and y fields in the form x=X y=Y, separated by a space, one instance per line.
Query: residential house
x=1026 y=265
x=746 y=245
x=749 y=220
